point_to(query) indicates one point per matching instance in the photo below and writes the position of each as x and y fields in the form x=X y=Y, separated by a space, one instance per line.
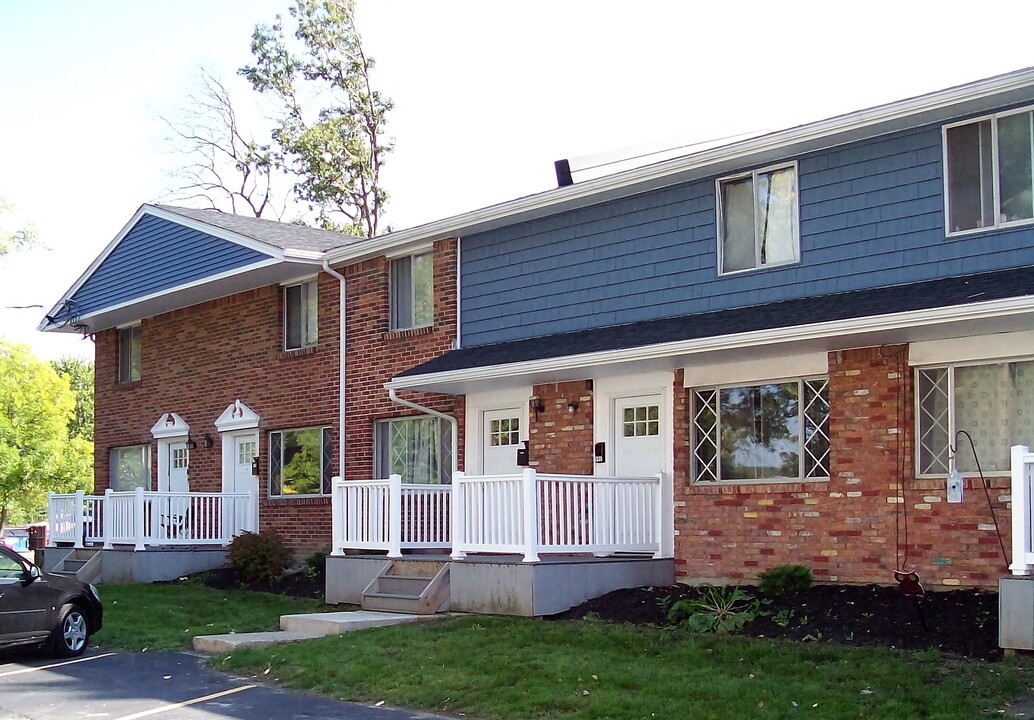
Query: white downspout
x=428 y=411
x=341 y=369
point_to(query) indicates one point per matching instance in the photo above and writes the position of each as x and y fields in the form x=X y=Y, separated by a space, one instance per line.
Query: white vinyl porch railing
x=524 y=514
x=141 y=518
x=1022 y=516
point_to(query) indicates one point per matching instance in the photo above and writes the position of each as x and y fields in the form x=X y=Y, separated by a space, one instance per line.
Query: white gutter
x=428 y=411
x=341 y=369
x=854 y=326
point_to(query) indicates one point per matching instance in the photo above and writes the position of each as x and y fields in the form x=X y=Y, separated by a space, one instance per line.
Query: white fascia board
x=842 y=328
x=157 y=212
x=46 y=326
x=654 y=175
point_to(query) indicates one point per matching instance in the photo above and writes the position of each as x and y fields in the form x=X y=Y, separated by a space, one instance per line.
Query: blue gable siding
x=156 y=255
x=871 y=215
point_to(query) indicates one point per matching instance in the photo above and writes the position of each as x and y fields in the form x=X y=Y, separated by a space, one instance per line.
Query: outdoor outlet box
x=954 y=486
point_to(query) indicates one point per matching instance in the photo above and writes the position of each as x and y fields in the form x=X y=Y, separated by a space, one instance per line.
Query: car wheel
x=71 y=633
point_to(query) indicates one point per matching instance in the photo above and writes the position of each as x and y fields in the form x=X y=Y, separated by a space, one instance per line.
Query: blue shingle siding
x=871 y=215
x=157 y=255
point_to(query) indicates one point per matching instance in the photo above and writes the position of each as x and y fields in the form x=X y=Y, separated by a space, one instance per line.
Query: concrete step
x=304 y=627
x=391 y=602
x=72 y=566
x=416 y=568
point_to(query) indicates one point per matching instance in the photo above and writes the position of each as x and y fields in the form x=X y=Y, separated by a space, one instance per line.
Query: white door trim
x=477 y=405
x=169 y=430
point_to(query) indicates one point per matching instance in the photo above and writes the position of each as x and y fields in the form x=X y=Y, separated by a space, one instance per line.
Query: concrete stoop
x=305 y=627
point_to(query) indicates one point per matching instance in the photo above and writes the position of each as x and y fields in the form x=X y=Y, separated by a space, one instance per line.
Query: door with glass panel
x=501 y=436
x=638 y=443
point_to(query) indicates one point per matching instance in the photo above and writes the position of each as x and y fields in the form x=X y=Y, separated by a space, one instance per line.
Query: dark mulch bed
x=294 y=583
x=962 y=622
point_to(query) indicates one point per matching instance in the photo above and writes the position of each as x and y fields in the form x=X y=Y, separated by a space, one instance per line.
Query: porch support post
x=138 y=519
x=108 y=519
x=249 y=519
x=531 y=515
x=337 y=519
x=79 y=504
x=1021 y=510
x=395 y=516
x=50 y=518
x=458 y=520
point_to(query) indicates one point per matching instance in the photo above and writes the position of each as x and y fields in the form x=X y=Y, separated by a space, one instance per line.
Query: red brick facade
x=198 y=360
x=560 y=439
x=851 y=528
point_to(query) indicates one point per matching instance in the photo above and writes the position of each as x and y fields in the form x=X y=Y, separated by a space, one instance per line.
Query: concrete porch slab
x=305 y=627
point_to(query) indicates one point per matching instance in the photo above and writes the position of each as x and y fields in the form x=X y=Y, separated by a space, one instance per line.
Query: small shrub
x=784 y=579
x=259 y=556
x=719 y=610
x=316 y=566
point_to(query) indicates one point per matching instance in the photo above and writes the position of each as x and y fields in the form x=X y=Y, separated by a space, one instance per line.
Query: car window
x=10 y=568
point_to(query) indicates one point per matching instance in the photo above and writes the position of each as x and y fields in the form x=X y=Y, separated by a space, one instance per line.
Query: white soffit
x=973 y=348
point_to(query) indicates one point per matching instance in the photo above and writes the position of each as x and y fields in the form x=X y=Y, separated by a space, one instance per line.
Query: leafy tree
x=13 y=239
x=80 y=377
x=36 y=453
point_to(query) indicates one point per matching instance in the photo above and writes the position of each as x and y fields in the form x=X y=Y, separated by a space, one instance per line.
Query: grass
x=168 y=616
x=521 y=668
x=500 y=668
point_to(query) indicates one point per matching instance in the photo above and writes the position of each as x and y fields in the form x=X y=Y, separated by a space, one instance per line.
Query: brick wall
x=851 y=528
x=198 y=360
x=560 y=441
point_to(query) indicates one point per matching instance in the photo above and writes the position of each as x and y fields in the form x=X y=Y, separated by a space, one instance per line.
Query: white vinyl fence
x=142 y=518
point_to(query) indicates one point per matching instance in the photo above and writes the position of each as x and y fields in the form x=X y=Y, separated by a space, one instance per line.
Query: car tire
x=72 y=632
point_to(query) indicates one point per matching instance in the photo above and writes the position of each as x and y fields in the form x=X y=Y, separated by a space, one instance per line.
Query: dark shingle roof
x=945 y=292
x=278 y=234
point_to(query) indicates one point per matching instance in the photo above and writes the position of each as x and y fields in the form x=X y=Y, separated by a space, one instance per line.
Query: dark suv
x=39 y=608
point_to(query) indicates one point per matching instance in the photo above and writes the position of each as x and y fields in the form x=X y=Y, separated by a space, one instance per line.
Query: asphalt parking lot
x=164 y=685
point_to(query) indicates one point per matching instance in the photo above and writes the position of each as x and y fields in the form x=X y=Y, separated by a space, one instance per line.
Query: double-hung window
x=129 y=354
x=417 y=448
x=757 y=219
x=129 y=467
x=991 y=402
x=771 y=432
x=412 y=291
x=988 y=179
x=300 y=314
x=300 y=462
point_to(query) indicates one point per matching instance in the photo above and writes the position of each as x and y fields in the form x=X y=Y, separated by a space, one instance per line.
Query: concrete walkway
x=305 y=627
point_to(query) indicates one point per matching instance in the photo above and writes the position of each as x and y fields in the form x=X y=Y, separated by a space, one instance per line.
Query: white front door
x=501 y=434
x=240 y=478
x=638 y=436
x=176 y=467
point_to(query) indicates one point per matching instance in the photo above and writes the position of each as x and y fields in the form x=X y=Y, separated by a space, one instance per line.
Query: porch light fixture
x=191 y=445
x=536 y=405
x=207 y=442
x=572 y=406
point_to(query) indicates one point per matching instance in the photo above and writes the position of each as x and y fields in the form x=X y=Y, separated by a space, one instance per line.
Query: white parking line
x=185 y=703
x=55 y=665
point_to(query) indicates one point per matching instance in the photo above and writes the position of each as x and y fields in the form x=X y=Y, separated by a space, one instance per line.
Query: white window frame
x=953 y=428
x=277 y=461
x=802 y=476
x=720 y=214
x=309 y=331
x=397 y=319
x=135 y=343
x=114 y=455
x=997 y=222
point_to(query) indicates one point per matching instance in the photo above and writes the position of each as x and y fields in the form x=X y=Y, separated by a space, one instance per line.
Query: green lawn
x=501 y=668
x=168 y=616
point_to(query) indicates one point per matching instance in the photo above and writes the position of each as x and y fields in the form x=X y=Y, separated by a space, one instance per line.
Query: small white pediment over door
x=237 y=416
x=171 y=433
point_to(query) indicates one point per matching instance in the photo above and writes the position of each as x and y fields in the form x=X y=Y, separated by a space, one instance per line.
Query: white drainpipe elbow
x=341 y=369
x=428 y=411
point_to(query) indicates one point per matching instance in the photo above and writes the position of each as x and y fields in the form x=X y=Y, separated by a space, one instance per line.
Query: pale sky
x=487 y=95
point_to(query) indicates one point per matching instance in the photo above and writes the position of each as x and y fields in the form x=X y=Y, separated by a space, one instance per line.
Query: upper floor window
x=757 y=219
x=989 y=401
x=418 y=448
x=129 y=467
x=412 y=291
x=300 y=303
x=773 y=432
x=988 y=179
x=300 y=462
x=129 y=354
